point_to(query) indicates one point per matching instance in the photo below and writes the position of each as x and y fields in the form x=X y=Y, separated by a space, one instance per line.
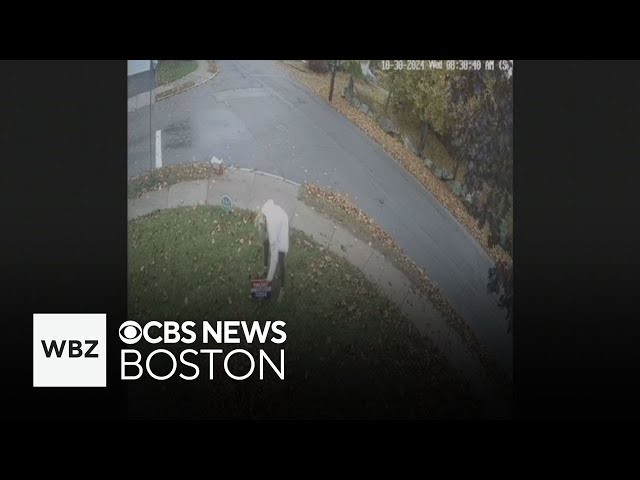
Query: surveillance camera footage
x=290 y=240
x=366 y=205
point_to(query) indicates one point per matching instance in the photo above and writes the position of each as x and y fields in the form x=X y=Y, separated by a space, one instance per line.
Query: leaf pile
x=174 y=91
x=166 y=176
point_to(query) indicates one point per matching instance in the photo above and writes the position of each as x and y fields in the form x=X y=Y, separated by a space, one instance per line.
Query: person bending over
x=273 y=226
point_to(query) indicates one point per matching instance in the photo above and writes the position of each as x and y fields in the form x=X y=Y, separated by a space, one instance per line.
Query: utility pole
x=333 y=79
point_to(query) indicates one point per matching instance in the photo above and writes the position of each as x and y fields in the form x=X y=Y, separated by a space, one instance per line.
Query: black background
x=64 y=242
x=64 y=194
x=576 y=243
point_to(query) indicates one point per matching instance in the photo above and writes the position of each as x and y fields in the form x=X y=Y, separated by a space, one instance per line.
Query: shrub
x=318 y=66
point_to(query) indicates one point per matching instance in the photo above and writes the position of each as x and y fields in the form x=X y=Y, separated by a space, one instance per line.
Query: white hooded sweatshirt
x=277 y=232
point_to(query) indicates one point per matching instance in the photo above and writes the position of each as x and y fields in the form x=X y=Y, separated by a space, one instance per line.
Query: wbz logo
x=69 y=350
x=75 y=348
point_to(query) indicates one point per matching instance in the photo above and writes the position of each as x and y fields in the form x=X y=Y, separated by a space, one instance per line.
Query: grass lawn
x=349 y=352
x=171 y=70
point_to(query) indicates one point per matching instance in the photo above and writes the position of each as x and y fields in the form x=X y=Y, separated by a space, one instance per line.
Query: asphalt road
x=253 y=114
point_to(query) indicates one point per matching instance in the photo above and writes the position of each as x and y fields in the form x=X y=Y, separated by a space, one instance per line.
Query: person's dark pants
x=281 y=265
x=266 y=254
x=281 y=256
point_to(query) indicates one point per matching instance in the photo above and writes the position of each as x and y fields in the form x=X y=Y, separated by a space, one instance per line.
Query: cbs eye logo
x=130 y=332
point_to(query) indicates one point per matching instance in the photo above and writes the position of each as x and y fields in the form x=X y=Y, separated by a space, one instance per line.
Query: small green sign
x=226 y=203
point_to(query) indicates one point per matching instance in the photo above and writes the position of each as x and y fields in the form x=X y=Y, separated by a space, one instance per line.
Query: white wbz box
x=69 y=350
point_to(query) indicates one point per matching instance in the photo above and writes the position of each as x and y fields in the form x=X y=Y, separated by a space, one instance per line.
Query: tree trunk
x=350 y=87
x=333 y=79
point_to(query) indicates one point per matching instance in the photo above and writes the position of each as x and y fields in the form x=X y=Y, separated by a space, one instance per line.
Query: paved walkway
x=249 y=189
x=195 y=78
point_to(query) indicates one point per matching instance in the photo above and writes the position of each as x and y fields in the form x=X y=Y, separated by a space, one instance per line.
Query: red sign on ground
x=260 y=289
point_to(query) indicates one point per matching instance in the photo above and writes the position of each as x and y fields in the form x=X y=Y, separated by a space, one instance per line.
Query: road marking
x=266 y=174
x=277 y=177
x=158 y=149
